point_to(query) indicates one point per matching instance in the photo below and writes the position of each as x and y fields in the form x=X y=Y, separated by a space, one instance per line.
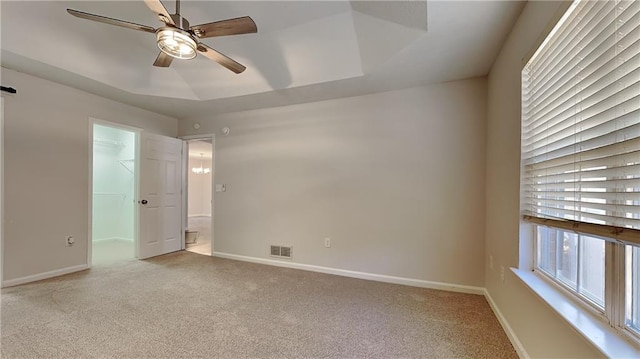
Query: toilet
x=190 y=237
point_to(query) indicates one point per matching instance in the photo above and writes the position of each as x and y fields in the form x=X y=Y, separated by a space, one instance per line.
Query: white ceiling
x=304 y=50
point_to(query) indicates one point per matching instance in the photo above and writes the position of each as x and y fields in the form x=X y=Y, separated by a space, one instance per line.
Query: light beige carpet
x=184 y=305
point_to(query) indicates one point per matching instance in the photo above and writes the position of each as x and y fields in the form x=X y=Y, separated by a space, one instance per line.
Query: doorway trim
x=185 y=174
x=136 y=130
x=1 y=192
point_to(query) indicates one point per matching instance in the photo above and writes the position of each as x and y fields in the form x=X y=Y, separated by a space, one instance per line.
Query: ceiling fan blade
x=237 y=26
x=163 y=60
x=220 y=58
x=157 y=7
x=110 y=21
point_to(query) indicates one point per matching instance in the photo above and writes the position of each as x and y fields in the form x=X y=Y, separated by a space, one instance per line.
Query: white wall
x=46 y=153
x=542 y=333
x=395 y=179
x=199 y=188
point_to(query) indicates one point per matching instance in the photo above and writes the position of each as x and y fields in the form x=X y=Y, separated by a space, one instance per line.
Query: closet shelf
x=109 y=143
x=129 y=165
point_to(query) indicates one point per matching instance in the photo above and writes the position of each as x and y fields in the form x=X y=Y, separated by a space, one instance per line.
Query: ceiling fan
x=176 y=39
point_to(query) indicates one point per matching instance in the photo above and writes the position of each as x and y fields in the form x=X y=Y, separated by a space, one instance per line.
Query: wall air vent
x=275 y=251
x=281 y=251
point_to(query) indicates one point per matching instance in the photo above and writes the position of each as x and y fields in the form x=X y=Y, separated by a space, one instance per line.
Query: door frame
x=136 y=180
x=1 y=192
x=185 y=182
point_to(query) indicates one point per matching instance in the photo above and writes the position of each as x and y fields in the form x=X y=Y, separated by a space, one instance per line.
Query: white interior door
x=160 y=199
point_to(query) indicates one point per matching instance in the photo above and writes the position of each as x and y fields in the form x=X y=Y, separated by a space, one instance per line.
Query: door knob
x=144 y=201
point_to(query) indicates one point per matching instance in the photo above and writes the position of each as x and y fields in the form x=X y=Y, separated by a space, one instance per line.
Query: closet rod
x=110 y=194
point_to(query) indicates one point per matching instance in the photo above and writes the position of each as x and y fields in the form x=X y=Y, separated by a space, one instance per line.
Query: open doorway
x=199 y=197
x=113 y=220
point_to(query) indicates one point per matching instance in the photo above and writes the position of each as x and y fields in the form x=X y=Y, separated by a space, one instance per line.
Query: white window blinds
x=581 y=122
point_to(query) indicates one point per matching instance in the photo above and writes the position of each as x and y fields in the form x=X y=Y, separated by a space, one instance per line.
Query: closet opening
x=113 y=219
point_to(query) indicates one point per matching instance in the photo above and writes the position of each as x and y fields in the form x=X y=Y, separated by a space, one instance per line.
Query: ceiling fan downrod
x=179 y=21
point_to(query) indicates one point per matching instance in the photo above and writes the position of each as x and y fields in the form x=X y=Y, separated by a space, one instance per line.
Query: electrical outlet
x=502 y=274
x=491 y=262
x=70 y=241
x=327 y=242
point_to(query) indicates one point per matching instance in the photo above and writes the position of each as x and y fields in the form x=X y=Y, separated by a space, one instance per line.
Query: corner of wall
x=535 y=330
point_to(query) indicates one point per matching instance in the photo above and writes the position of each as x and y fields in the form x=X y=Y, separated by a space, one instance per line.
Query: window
x=581 y=157
x=633 y=288
x=576 y=261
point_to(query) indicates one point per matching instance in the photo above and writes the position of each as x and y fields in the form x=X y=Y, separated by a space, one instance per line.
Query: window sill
x=606 y=339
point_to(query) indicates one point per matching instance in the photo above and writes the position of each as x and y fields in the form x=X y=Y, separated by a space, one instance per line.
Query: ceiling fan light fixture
x=176 y=43
x=177 y=39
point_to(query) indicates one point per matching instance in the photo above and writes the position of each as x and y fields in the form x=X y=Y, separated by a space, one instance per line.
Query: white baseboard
x=199 y=215
x=517 y=345
x=361 y=275
x=45 y=275
x=112 y=239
